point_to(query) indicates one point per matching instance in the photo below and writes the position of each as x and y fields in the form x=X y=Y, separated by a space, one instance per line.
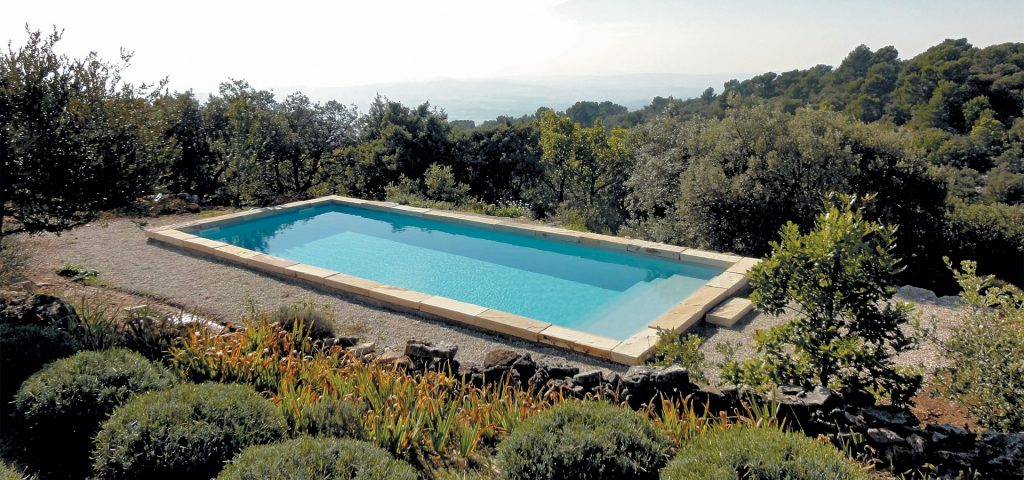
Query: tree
x=74 y=138
x=986 y=352
x=840 y=278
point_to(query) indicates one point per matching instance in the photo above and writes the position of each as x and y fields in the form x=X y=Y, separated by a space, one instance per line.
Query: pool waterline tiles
x=630 y=348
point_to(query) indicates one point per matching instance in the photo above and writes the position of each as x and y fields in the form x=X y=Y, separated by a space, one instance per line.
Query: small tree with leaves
x=840 y=278
x=986 y=352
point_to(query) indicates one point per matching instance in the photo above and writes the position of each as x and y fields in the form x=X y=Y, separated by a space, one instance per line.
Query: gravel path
x=119 y=250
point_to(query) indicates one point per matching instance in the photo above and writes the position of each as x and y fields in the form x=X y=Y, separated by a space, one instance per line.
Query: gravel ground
x=119 y=250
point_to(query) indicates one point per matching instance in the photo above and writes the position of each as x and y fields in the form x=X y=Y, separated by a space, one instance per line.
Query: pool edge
x=634 y=350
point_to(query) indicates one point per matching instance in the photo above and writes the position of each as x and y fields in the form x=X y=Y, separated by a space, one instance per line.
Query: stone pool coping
x=631 y=351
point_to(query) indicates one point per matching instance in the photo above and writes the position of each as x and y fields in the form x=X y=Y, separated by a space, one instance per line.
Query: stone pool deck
x=631 y=351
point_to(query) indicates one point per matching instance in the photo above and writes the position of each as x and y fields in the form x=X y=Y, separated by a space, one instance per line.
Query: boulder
x=587 y=380
x=418 y=350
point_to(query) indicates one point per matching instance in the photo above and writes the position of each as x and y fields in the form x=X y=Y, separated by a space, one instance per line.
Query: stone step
x=727 y=313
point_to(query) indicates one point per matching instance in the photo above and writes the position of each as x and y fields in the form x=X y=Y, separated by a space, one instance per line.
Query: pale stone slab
x=271 y=263
x=714 y=259
x=232 y=252
x=578 y=341
x=204 y=245
x=730 y=311
x=398 y=296
x=347 y=200
x=350 y=284
x=657 y=249
x=679 y=318
x=636 y=349
x=510 y=324
x=309 y=272
x=451 y=309
x=731 y=282
x=558 y=234
x=743 y=266
x=411 y=209
x=706 y=297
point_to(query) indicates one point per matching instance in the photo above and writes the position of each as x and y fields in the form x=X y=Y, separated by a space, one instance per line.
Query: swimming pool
x=598 y=291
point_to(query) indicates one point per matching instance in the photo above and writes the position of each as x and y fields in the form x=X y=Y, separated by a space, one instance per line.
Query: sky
x=198 y=44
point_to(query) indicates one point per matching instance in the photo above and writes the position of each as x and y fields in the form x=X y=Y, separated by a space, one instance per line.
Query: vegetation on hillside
x=939 y=138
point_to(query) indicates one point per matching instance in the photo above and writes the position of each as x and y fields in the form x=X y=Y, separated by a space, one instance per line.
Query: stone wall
x=893 y=435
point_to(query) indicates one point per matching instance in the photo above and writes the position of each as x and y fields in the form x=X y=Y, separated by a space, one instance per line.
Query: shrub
x=316 y=459
x=9 y=472
x=682 y=350
x=584 y=440
x=841 y=277
x=992 y=235
x=34 y=330
x=759 y=453
x=14 y=259
x=331 y=418
x=186 y=432
x=77 y=273
x=986 y=353
x=314 y=320
x=150 y=333
x=62 y=405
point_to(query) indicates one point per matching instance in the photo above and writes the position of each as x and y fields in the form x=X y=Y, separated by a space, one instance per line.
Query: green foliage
x=759 y=453
x=992 y=234
x=77 y=272
x=439 y=184
x=309 y=458
x=9 y=472
x=331 y=417
x=14 y=259
x=583 y=169
x=73 y=139
x=986 y=352
x=584 y=440
x=840 y=278
x=682 y=350
x=61 y=407
x=185 y=432
x=305 y=318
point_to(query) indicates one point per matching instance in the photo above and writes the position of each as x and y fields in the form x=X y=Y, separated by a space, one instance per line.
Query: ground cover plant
x=585 y=440
x=760 y=453
x=187 y=431
x=308 y=458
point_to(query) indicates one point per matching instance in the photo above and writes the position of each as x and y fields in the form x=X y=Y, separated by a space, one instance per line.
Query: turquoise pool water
x=604 y=292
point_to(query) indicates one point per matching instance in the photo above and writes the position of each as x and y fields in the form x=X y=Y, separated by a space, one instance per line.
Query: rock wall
x=892 y=434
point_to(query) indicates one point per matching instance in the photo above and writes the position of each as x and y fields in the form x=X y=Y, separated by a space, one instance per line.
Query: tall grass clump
x=429 y=419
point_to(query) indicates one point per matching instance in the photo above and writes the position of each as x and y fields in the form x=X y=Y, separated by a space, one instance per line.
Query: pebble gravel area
x=129 y=262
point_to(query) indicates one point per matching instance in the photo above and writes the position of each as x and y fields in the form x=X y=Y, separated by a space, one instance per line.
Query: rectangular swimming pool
x=599 y=289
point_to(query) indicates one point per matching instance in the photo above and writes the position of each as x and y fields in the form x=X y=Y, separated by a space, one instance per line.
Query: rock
x=38 y=308
x=345 y=342
x=884 y=436
x=796 y=396
x=426 y=350
x=560 y=370
x=501 y=357
x=362 y=349
x=917 y=444
x=587 y=380
x=395 y=359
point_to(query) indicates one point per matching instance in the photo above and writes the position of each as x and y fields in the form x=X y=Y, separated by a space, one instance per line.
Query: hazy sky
x=316 y=44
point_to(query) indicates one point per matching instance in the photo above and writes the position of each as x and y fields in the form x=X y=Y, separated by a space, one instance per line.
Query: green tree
x=74 y=138
x=840 y=278
x=986 y=352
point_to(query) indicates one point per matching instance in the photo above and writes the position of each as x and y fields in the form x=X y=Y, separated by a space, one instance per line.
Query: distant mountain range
x=486 y=99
